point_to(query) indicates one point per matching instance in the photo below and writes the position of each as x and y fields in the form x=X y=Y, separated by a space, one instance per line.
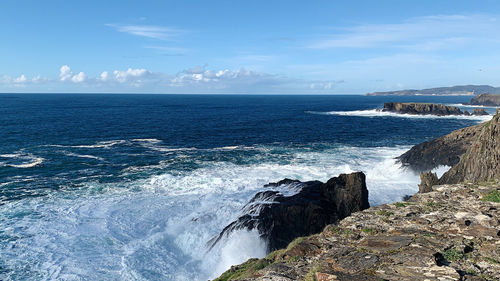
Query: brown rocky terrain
x=449 y=233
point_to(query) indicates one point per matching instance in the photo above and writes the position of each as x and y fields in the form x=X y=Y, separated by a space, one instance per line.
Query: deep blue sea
x=131 y=187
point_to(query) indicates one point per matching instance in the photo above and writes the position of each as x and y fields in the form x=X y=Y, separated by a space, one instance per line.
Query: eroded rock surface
x=449 y=233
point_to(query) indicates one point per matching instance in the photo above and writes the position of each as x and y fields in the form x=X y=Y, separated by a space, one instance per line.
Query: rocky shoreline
x=450 y=230
x=428 y=109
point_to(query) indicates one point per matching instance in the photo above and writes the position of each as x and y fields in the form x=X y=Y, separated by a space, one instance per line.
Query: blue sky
x=275 y=47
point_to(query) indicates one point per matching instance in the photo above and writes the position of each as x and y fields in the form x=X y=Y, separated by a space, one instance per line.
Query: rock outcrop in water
x=449 y=233
x=280 y=219
x=486 y=100
x=445 y=150
x=421 y=108
x=481 y=161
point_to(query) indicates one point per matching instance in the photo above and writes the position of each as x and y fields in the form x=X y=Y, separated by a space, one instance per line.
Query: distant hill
x=466 y=90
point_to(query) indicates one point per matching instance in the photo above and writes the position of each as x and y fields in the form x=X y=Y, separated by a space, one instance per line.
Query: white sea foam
x=67 y=153
x=470 y=105
x=157 y=228
x=380 y=113
x=21 y=160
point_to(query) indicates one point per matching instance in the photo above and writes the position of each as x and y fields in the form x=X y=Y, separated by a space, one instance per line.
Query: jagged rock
x=280 y=219
x=481 y=161
x=427 y=180
x=479 y=112
x=466 y=113
x=445 y=150
x=421 y=108
x=486 y=100
x=450 y=233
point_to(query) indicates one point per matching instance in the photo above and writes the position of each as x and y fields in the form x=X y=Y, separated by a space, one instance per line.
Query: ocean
x=132 y=187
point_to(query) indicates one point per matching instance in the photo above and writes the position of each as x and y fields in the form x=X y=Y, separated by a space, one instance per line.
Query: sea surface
x=132 y=187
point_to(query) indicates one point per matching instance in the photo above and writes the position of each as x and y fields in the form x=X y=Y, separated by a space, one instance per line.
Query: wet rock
x=280 y=219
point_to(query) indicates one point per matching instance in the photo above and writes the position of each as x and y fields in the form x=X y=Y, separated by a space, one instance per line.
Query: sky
x=246 y=47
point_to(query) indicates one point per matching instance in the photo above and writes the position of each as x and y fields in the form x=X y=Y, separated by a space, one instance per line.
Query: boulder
x=280 y=219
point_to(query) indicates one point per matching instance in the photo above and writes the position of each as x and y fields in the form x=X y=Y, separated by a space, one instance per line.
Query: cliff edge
x=449 y=233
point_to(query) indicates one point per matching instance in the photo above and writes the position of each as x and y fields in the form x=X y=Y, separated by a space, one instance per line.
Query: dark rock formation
x=486 y=100
x=479 y=111
x=280 y=219
x=421 y=108
x=481 y=161
x=427 y=180
x=466 y=90
x=445 y=150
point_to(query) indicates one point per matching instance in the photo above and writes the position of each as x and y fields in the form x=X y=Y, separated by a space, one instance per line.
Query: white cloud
x=150 y=31
x=104 y=76
x=430 y=33
x=65 y=73
x=79 y=78
x=20 y=79
x=130 y=75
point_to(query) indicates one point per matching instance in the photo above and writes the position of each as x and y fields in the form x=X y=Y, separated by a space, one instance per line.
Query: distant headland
x=465 y=90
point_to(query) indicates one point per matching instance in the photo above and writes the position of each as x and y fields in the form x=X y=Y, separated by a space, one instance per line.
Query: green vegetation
x=384 y=213
x=453 y=255
x=311 y=275
x=432 y=204
x=401 y=204
x=493 y=196
x=491 y=260
x=369 y=230
x=244 y=270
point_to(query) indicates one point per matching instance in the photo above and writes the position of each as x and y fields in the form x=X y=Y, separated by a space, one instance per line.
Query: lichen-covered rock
x=449 y=233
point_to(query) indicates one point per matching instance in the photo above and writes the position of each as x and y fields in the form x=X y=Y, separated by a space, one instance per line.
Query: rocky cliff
x=449 y=233
x=486 y=100
x=280 y=219
x=445 y=150
x=481 y=161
